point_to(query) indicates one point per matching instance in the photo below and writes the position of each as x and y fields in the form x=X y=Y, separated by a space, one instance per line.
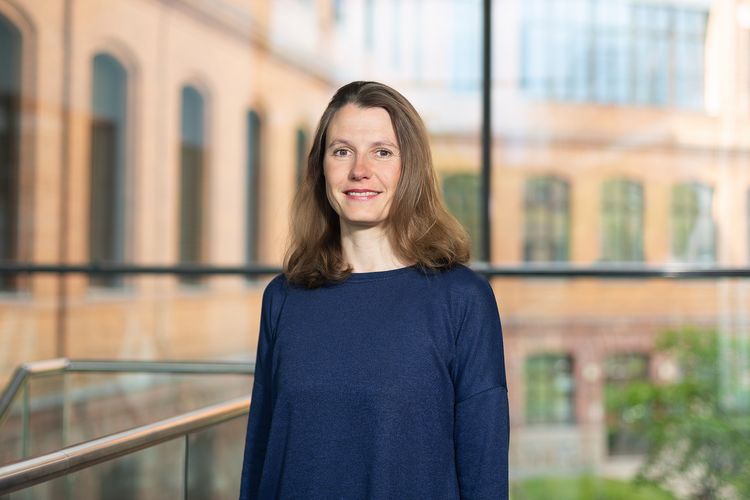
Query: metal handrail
x=529 y=270
x=61 y=365
x=30 y=472
x=183 y=367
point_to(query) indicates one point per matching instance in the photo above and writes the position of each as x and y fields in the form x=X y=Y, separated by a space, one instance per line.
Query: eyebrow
x=347 y=143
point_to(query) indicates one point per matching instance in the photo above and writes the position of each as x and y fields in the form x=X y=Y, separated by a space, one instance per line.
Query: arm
x=481 y=426
x=259 y=420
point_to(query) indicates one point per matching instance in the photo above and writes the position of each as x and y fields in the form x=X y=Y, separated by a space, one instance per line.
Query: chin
x=363 y=219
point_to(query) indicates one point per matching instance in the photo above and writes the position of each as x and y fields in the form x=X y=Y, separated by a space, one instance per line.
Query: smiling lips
x=360 y=194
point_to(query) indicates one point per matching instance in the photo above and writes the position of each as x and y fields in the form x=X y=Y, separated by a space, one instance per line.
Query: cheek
x=329 y=189
x=327 y=177
x=395 y=176
x=332 y=174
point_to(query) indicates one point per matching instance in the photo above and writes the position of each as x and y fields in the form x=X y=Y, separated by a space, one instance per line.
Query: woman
x=379 y=370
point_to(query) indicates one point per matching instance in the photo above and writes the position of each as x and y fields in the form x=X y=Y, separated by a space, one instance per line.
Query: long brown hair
x=419 y=227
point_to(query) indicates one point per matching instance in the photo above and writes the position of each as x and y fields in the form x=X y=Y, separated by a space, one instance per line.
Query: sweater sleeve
x=259 y=420
x=482 y=425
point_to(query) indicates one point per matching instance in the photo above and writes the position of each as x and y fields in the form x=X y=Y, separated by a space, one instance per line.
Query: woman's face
x=362 y=165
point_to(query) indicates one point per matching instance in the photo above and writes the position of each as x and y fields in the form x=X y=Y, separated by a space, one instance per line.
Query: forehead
x=355 y=122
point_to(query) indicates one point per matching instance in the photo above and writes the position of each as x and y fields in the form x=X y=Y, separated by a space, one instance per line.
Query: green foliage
x=584 y=488
x=697 y=426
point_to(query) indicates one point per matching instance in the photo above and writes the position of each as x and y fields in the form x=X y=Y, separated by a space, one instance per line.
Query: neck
x=367 y=249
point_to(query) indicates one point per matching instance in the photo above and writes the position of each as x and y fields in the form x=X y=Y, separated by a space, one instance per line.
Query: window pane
x=252 y=192
x=549 y=389
x=622 y=221
x=546 y=215
x=108 y=163
x=693 y=228
x=461 y=194
x=10 y=97
x=624 y=374
x=192 y=172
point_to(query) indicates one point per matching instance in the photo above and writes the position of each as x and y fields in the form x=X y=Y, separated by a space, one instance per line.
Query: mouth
x=359 y=195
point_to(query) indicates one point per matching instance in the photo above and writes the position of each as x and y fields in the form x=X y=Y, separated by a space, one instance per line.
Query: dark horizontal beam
x=99 y=269
x=625 y=271
x=614 y=272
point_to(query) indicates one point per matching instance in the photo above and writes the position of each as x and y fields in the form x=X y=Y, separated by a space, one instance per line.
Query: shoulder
x=275 y=292
x=463 y=288
x=464 y=281
x=274 y=298
x=470 y=294
x=277 y=284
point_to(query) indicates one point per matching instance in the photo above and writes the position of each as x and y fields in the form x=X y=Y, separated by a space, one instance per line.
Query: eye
x=340 y=152
x=383 y=153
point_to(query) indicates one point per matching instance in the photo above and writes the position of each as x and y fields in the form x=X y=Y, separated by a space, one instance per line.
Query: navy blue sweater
x=388 y=385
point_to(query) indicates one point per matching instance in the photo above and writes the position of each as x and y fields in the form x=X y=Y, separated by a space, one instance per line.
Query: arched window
x=192 y=176
x=252 y=190
x=546 y=220
x=693 y=225
x=107 y=169
x=10 y=98
x=550 y=389
x=622 y=221
x=300 y=153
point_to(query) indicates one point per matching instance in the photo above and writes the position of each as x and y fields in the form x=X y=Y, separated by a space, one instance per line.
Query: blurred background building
x=168 y=132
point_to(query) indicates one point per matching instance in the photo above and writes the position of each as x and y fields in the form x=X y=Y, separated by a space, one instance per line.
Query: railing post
x=25 y=420
x=185 y=468
x=66 y=430
x=65 y=412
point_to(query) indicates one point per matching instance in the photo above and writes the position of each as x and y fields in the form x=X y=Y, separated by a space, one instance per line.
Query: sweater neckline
x=378 y=275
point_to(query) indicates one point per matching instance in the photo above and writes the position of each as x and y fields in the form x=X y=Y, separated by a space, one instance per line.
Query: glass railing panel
x=151 y=474
x=107 y=403
x=12 y=431
x=46 y=413
x=215 y=460
x=69 y=408
x=35 y=420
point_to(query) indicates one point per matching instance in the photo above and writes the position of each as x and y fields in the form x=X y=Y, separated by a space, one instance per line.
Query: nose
x=360 y=168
